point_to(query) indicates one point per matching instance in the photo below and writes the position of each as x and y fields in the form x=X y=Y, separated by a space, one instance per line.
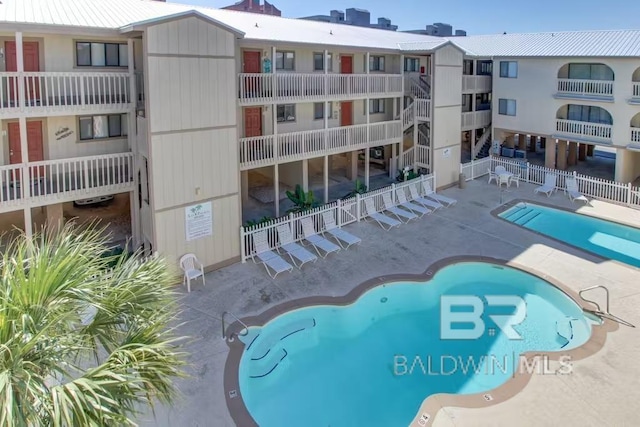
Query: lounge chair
x=428 y=192
x=271 y=260
x=320 y=244
x=342 y=237
x=400 y=214
x=573 y=192
x=413 y=207
x=294 y=250
x=549 y=185
x=427 y=203
x=383 y=221
x=492 y=176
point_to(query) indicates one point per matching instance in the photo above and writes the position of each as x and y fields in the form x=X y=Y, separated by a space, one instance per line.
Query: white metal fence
x=597 y=188
x=344 y=211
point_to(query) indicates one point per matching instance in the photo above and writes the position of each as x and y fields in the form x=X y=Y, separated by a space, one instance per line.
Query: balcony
x=257 y=89
x=62 y=93
x=588 y=89
x=635 y=93
x=476 y=84
x=58 y=181
x=635 y=136
x=583 y=131
x=260 y=151
x=475 y=119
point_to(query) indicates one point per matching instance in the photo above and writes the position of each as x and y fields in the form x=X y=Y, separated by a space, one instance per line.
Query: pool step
x=519 y=215
x=517 y=210
x=529 y=218
x=264 y=345
x=564 y=329
x=265 y=366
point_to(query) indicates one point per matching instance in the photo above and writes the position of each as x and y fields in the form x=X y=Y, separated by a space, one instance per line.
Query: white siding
x=61 y=146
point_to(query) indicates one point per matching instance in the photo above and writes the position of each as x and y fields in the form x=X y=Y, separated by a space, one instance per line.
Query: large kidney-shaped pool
x=374 y=361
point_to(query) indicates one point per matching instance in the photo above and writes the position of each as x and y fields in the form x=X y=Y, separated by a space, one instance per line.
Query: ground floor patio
x=602 y=389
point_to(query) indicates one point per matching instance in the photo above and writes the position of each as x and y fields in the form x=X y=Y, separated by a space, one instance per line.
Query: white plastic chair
x=192 y=269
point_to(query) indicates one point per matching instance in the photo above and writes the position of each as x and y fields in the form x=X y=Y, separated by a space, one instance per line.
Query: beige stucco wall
x=65 y=145
x=193 y=136
x=447 y=110
x=536 y=84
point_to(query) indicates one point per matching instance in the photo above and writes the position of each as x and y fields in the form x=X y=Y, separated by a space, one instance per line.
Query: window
x=100 y=127
x=285 y=61
x=483 y=101
x=318 y=62
x=507 y=107
x=587 y=113
x=412 y=65
x=467 y=67
x=590 y=72
x=376 y=106
x=509 y=69
x=318 y=110
x=484 y=68
x=466 y=103
x=376 y=63
x=101 y=54
x=286 y=113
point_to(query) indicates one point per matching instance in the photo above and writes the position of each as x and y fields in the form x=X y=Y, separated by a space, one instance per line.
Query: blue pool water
x=604 y=238
x=375 y=361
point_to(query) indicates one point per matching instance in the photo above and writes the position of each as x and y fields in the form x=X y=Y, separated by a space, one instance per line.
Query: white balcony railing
x=585 y=130
x=282 y=87
x=47 y=92
x=585 y=87
x=423 y=109
x=476 y=119
x=260 y=151
x=10 y=193
x=636 y=90
x=422 y=156
x=480 y=84
x=635 y=135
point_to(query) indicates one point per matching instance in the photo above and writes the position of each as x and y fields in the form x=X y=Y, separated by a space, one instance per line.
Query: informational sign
x=199 y=221
x=446 y=152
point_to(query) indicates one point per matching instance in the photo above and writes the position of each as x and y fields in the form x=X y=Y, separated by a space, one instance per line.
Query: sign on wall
x=446 y=152
x=199 y=221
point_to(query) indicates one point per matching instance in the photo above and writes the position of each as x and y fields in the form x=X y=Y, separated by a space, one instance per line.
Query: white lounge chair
x=428 y=192
x=294 y=250
x=342 y=237
x=401 y=214
x=492 y=176
x=549 y=185
x=192 y=269
x=428 y=203
x=320 y=244
x=413 y=207
x=383 y=221
x=573 y=191
x=271 y=260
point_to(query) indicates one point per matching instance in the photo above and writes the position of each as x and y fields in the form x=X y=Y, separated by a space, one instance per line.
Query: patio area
x=601 y=390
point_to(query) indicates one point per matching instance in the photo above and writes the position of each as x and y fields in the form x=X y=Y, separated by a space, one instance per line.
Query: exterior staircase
x=483 y=146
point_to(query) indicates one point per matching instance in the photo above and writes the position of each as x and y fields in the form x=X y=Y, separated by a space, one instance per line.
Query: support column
x=582 y=152
x=367 y=109
x=561 y=159
x=473 y=140
x=352 y=167
x=550 y=153
x=55 y=217
x=532 y=143
x=572 y=159
x=276 y=189
x=134 y=196
x=522 y=142
x=326 y=179
x=274 y=116
x=305 y=175
x=510 y=141
x=394 y=165
x=590 y=149
x=24 y=144
x=244 y=186
x=415 y=134
x=543 y=142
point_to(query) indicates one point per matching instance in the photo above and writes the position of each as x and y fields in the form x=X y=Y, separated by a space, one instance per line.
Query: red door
x=34 y=143
x=31 y=59
x=346 y=64
x=346 y=113
x=251 y=62
x=252 y=122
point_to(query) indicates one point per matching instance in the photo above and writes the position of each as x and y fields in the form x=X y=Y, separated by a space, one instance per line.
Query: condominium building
x=354 y=16
x=192 y=114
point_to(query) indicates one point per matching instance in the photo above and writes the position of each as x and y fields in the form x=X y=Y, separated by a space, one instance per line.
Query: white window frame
x=316 y=117
x=284 y=55
x=510 y=71
x=329 y=61
x=414 y=61
x=123 y=54
x=124 y=127
x=507 y=104
x=376 y=106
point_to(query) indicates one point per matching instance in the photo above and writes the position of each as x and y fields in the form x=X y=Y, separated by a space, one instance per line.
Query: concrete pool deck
x=600 y=391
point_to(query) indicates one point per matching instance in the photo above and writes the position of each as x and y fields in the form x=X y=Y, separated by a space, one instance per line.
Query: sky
x=474 y=16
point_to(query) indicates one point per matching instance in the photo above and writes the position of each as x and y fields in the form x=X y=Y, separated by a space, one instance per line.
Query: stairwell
x=483 y=146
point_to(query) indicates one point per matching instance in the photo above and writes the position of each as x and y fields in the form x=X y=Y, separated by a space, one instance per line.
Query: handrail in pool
x=599 y=311
x=245 y=328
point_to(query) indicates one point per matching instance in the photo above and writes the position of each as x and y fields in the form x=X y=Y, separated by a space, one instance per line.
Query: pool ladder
x=242 y=333
x=599 y=310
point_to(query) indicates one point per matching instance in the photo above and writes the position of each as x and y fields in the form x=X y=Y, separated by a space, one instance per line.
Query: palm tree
x=80 y=344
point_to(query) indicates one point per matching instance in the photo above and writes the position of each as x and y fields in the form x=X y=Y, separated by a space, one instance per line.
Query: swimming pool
x=376 y=360
x=601 y=237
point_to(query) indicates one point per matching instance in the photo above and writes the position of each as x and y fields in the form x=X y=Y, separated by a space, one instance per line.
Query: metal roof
x=119 y=14
x=116 y=14
x=617 y=43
